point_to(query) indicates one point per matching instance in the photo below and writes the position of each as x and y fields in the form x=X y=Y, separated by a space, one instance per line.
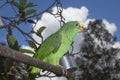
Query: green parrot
x=57 y=44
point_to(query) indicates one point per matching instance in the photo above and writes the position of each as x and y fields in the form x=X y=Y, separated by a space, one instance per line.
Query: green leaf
x=16 y=46
x=22 y=2
x=16 y=4
x=32 y=44
x=30 y=11
x=30 y=5
x=26 y=51
x=12 y=42
x=40 y=30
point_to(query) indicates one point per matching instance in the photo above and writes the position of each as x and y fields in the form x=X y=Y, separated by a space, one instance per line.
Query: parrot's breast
x=64 y=47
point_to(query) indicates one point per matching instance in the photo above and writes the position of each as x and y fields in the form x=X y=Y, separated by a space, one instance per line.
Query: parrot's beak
x=81 y=27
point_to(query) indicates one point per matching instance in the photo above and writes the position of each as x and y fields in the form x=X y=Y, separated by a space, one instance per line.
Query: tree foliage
x=98 y=58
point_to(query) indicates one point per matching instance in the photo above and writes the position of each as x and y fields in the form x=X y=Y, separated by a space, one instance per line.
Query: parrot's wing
x=50 y=45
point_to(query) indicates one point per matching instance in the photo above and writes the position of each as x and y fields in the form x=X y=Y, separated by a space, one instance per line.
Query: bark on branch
x=18 y=56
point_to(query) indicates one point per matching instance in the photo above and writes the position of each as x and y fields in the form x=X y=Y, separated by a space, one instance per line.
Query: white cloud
x=77 y=14
x=111 y=27
x=116 y=45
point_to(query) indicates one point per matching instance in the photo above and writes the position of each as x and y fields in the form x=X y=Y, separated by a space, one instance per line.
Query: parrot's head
x=73 y=27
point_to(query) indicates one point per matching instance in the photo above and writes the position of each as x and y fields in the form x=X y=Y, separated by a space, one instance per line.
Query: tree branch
x=18 y=56
x=6 y=2
x=27 y=34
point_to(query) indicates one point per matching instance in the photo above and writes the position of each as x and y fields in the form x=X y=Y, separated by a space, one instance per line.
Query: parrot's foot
x=64 y=71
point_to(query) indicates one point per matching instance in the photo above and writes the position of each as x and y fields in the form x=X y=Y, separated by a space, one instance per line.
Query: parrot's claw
x=64 y=71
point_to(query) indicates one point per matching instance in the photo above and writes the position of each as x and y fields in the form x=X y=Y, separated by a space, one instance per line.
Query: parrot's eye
x=77 y=25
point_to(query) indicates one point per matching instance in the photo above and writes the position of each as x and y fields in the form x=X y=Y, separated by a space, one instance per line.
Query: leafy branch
x=24 y=13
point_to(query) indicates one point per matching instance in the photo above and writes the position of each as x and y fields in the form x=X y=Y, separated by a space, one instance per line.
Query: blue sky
x=98 y=9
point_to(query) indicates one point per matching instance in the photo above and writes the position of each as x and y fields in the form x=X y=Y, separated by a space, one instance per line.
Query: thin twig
x=24 y=33
x=44 y=10
x=4 y=4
